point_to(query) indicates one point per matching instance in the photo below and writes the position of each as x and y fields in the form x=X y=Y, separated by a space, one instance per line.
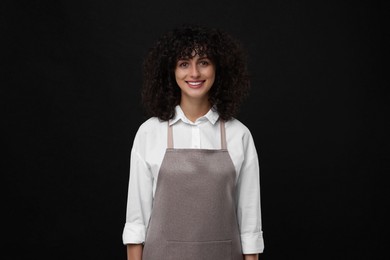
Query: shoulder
x=150 y=129
x=240 y=140
x=149 y=134
x=151 y=125
x=239 y=135
x=236 y=127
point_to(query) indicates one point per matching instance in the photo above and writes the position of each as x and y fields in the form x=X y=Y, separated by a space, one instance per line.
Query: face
x=195 y=76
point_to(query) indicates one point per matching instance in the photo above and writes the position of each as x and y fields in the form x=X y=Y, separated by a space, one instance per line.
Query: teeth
x=195 y=83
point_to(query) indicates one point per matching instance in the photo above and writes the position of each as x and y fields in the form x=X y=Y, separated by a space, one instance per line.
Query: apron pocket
x=207 y=250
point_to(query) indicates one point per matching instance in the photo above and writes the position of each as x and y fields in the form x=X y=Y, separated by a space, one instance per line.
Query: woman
x=194 y=189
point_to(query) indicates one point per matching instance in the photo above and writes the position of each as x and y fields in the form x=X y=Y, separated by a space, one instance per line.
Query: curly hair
x=160 y=92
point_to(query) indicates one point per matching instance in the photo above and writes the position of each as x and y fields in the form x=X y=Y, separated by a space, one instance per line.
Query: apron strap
x=170 y=136
x=223 y=135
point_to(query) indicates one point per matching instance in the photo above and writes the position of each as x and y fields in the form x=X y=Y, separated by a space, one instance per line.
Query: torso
x=194 y=214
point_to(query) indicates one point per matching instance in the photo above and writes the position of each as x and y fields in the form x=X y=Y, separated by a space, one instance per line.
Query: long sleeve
x=248 y=200
x=147 y=155
x=140 y=197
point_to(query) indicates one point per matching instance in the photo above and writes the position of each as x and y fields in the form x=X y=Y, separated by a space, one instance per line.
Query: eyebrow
x=186 y=58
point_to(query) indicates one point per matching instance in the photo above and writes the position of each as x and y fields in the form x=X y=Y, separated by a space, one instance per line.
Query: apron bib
x=194 y=214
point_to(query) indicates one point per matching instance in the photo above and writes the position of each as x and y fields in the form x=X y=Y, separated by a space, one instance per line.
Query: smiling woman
x=195 y=76
x=160 y=92
x=195 y=193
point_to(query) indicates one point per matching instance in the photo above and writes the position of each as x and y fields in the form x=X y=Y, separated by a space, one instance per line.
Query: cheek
x=211 y=73
x=179 y=74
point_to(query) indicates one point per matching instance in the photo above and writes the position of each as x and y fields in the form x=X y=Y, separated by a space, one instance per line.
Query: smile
x=195 y=84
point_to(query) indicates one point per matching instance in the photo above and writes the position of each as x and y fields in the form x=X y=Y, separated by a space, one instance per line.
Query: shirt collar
x=212 y=116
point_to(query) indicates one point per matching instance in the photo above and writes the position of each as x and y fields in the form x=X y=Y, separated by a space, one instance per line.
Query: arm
x=134 y=251
x=248 y=201
x=139 y=201
x=251 y=257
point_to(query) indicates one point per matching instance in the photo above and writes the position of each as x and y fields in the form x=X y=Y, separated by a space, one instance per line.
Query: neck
x=193 y=109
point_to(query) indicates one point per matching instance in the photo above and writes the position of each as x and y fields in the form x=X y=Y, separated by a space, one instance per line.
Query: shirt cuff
x=252 y=243
x=133 y=234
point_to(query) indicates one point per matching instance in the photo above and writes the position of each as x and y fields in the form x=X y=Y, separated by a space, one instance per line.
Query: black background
x=317 y=111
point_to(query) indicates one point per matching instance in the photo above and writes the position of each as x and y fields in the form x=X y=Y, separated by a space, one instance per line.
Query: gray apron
x=194 y=213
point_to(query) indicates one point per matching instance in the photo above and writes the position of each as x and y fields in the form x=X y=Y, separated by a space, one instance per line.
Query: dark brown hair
x=160 y=92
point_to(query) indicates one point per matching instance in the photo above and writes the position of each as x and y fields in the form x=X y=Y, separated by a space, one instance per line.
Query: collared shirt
x=147 y=154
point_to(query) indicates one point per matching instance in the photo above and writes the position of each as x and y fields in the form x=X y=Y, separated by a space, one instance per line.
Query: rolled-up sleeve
x=140 y=198
x=248 y=201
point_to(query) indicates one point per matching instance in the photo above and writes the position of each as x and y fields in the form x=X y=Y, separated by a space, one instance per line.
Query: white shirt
x=147 y=154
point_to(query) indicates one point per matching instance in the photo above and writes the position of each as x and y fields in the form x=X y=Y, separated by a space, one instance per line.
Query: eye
x=204 y=63
x=183 y=64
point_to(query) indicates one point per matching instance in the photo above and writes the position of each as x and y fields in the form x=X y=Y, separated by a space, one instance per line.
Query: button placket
x=195 y=136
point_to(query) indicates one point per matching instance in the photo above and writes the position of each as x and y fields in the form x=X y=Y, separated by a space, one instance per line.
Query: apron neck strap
x=170 y=136
x=223 y=135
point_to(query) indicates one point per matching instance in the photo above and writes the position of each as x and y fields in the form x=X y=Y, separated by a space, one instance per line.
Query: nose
x=194 y=73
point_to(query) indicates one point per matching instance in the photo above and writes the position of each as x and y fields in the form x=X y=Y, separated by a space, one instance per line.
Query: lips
x=195 y=84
